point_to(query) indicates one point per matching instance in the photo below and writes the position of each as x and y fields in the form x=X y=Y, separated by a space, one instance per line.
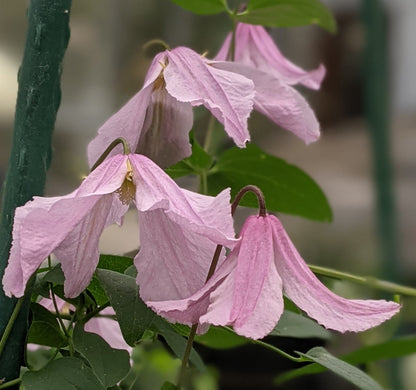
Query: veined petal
x=44 y=224
x=190 y=308
x=255 y=47
x=205 y=215
x=250 y=298
x=127 y=123
x=309 y=294
x=165 y=135
x=229 y=96
x=279 y=102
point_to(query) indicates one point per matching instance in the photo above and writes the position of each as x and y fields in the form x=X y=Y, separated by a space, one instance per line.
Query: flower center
x=127 y=190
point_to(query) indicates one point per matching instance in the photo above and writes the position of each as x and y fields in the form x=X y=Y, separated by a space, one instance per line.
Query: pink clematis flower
x=156 y=121
x=246 y=291
x=273 y=75
x=70 y=227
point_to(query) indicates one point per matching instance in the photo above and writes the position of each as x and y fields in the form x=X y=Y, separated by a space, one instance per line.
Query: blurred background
x=105 y=65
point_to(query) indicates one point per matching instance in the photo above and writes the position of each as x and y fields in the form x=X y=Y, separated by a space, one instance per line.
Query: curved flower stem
x=364 y=280
x=10 y=324
x=256 y=191
x=156 y=42
x=117 y=141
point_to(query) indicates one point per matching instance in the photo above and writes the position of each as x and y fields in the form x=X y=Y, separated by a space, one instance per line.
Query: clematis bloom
x=70 y=227
x=273 y=75
x=156 y=121
x=246 y=292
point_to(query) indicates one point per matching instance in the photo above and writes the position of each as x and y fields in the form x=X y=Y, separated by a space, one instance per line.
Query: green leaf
x=45 y=329
x=178 y=343
x=64 y=374
x=202 y=7
x=111 y=262
x=287 y=13
x=371 y=353
x=55 y=275
x=108 y=364
x=168 y=386
x=199 y=162
x=133 y=315
x=345 y=370
x=287 y=188
x=221 y=338
x=296 y=325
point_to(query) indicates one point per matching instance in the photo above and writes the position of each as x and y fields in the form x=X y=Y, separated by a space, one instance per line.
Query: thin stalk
x=186 y=355
x=10 y=324
x=117 y=141
x=364 y=280
x=10 y=383
x=58 y=314
x=94 y=312
x=279 y=351
x=209 y=133
x=203 y=183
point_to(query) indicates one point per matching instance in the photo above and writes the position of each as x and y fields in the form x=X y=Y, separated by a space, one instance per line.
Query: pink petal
x=127 y=123
x=279 y=102
x=255 y=47
x=108 y=329
x=60 y=225
x=205 y=215
x=309 y=294
x=250 y=298
x=229 y=96
x=165 y=135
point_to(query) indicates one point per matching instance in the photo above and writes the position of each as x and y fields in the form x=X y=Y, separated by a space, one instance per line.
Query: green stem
x=10 y=383
x=10 y=324
x=186 y=355
x=209 y=134
x=364 y=280
x=58 y=314
x=117 y=141
x=279 y=351
x=37 y=104
x=94 y=312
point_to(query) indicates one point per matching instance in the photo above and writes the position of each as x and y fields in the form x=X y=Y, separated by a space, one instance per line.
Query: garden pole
x=37 y=104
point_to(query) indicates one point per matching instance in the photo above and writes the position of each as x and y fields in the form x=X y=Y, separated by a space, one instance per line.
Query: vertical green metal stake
x=378 y=117
x=377 y=109
x=37 y=104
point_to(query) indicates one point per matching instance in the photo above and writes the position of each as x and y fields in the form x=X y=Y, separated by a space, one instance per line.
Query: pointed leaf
x=133 y=315
x=178 y=343
x=370 y=353
x=109 y=365
x=221 y=338
x=45 y=329
x=296 y=325
x=64 y=374
x=111 y=262
x=288 y=13
x=202 y=7
x=287 y=188
x=347 y=371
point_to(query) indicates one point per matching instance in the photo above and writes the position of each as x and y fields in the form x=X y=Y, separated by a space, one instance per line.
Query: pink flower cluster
x=180 y=229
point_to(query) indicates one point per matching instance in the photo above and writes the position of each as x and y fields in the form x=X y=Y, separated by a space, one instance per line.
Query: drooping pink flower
x=246 y=291
x=273 y=75
x=156 y=121
x=70 y=227
x=255 y=47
